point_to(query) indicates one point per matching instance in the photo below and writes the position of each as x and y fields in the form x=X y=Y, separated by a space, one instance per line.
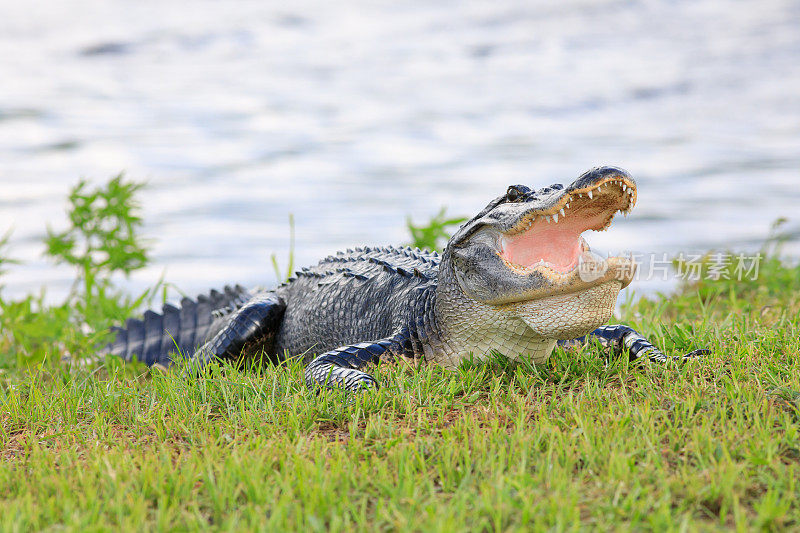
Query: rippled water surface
x=352 y=115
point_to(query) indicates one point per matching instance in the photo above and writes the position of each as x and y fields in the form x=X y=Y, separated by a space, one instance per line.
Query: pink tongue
x=557 y=243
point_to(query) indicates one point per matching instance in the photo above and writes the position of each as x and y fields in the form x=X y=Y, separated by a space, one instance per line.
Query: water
x=353 y=115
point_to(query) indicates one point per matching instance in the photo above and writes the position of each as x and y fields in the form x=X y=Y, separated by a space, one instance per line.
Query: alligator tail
x=155 y=337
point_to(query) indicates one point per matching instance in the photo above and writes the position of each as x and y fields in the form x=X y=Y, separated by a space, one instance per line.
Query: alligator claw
x=362 y=383
x=696 y=353
x=691 y=355
x=367 y=383
x=327 y=375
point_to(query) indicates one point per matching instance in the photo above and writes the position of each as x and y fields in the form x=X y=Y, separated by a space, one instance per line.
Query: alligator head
x=523 y=255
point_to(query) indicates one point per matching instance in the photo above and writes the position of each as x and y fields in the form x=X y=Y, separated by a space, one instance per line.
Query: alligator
x=517 y=279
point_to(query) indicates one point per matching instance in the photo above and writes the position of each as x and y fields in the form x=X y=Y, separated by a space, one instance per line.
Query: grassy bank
x=578 y=442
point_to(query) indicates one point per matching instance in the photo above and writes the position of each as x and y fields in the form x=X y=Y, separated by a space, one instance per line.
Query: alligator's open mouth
x=551 y=238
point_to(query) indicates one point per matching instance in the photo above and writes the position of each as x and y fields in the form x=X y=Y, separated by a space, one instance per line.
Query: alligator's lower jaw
x=541 y=283
x=563 y=259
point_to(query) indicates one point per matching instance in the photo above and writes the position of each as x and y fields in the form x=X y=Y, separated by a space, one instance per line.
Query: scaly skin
x=511 y=280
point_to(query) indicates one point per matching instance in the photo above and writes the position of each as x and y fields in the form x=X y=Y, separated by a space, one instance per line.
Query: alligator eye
x=513 y=194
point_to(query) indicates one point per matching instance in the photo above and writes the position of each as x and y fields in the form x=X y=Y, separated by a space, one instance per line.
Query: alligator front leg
x=256 y=322
x=339 y=368
x=618 y=337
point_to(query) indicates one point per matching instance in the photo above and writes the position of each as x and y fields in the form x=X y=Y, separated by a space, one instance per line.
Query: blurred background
x=353 y=115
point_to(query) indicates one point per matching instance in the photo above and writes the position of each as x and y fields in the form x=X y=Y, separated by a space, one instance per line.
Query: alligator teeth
x=555 y=217
x=590 y=194
x=562 y=211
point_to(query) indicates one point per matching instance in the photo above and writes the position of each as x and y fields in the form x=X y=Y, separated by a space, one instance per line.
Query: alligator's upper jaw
x=549 y=238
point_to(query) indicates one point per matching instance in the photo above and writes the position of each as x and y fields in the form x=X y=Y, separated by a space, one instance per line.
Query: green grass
x=710 y=444
x=578 y=443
